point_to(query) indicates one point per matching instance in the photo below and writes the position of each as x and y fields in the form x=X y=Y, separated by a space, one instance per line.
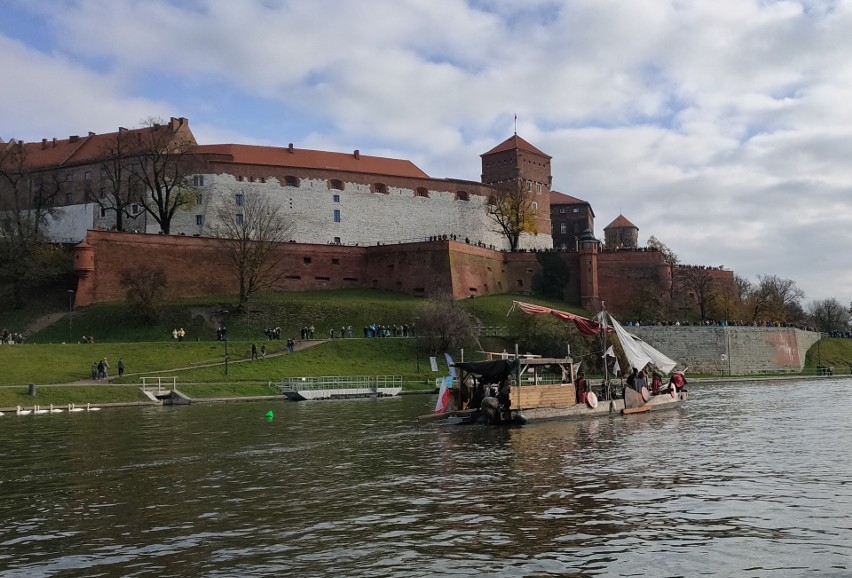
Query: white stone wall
x=365 y=217
x=69 y=224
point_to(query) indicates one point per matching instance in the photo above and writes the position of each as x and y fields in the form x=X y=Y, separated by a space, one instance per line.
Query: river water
x=745 y=480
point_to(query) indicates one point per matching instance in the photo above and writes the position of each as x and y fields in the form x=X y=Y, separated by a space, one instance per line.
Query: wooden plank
x=642 y=409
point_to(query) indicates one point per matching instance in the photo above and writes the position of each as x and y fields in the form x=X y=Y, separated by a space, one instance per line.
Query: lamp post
x=70 y=312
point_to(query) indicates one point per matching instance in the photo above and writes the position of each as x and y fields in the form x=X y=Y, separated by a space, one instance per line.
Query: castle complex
x=357 y=221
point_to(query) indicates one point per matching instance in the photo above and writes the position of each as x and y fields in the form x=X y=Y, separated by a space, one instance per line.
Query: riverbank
x=61 y=396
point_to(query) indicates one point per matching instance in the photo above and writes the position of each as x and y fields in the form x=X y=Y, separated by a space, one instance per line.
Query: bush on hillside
x=145 y=286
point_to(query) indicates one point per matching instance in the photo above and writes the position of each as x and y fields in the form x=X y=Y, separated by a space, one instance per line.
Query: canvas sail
x=639 y=353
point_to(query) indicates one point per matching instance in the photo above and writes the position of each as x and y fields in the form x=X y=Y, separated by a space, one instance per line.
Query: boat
x=516 y=389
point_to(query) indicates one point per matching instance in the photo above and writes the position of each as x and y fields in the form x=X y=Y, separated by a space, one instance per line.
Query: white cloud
x=719 y=126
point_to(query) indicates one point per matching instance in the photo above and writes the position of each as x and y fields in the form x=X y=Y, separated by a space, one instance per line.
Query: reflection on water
x=746 y=480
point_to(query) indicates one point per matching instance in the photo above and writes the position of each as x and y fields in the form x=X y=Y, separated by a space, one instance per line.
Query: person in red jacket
x=582 y=387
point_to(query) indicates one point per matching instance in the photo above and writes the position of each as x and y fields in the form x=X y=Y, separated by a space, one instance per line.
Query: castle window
x=335 y=261
x=240 y=178
x=251 y=179
x=562 y=210
x=239 y=199
x=103 y=212
x=421 y=192
x=198 y=181
x=199 y=198
x=336 y=184
x=563 y=228
x=135 y=209
x=462 y=196
x=336 y=215
x=291 y=181
x=238 y=218
x=87 y=176
x=538 y=188
x=336 y=198
x=306 y=260
x=576 y=211
x=534 y=206
x=492 y=199
x=262 y=179
x=103 y=173
x=199 y=220
x=380 y=188
x=337 y=240
x=68 y=198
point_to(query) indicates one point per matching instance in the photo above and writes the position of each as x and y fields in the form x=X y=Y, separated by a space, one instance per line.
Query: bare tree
x=702 y=286
x=250 y=225
x=828 y=315
x=511 y=208
x=443 y=325
x=145 y=286
x=120 y=185
x=164 y=158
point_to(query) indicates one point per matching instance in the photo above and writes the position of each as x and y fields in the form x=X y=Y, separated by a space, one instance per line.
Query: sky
x=721 y=127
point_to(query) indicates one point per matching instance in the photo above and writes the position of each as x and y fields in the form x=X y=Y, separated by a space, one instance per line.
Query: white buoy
x=23 y=411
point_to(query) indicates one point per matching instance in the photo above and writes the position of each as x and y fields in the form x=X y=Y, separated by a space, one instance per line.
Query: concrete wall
x=731 y=350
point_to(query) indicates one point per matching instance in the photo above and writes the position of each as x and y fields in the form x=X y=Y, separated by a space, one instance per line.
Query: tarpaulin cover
x=490 y=371
x=583 y=325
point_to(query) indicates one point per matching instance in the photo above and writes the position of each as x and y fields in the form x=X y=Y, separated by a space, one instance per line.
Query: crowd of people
x=13 y=338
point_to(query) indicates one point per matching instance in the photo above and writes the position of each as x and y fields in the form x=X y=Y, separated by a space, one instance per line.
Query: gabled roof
x=515 y=143
x=311 y=159
x=621 y=222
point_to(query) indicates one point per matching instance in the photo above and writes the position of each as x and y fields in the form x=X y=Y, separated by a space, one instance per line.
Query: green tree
x=552 y=277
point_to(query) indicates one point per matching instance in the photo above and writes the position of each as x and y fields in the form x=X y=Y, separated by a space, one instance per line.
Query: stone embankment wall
x=731 y=350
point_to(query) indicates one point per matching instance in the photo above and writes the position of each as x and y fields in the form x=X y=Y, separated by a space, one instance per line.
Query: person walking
x=120 y=368
x=263 y=352
x=254 y=351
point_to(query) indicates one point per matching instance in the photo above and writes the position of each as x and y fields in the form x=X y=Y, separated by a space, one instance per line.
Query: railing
x=490 y=330
x=159 y=381
x=340 y=382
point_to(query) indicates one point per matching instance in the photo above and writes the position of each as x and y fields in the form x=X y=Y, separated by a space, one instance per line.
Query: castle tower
x=621 y=234
x=588 y=247
x=514 y=159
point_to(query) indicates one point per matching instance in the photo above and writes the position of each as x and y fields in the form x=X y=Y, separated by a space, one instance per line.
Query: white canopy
x=639 y=353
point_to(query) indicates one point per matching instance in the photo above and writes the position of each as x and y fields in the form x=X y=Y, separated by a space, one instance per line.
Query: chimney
x=91 y=133
x=54 y=142
x=357 y=154
x=290 y=148
x=43 y=143
x=73 y=138
x=121 y=129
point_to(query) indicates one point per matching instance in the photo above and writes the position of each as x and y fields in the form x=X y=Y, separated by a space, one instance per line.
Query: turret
x=588 y=247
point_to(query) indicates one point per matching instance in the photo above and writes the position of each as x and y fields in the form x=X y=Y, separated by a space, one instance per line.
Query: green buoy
x=269 y=414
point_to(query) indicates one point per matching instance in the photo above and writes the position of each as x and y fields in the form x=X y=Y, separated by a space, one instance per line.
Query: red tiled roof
x=621 y=222
x=310 y=159
x=515 y=142
x=563 y=199
x=81 y=150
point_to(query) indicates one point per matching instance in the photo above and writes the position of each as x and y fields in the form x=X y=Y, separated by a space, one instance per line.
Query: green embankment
x=198 y=362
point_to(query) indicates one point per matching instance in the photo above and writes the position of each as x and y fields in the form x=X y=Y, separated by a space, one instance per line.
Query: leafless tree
x=702 y=286
x=829 y=315
x=250 y=225
x=164 y=159
x=511 y=209
x=669 y=256
x=443 y=325
x=730 y=299
x=145 y=286
x=120 y=185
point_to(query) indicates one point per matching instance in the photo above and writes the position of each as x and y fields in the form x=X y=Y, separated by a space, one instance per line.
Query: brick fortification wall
x=731 y=350
x=624 y=275
x=200 y=266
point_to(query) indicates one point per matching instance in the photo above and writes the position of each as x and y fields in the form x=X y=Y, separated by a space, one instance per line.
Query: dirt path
x=43 y=322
